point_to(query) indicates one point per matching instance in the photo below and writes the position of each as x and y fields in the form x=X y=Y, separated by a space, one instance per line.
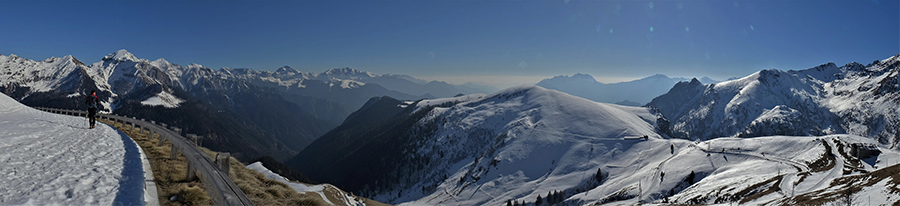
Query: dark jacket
x=92 y=101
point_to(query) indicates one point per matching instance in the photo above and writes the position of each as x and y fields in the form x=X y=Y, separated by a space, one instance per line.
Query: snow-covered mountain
x=232 y=115
x=854 y=99
x=278 y=113
x=628 y=93
x=526 y=142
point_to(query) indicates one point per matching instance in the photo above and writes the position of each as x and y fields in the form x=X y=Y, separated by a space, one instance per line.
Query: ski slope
x=51 y=159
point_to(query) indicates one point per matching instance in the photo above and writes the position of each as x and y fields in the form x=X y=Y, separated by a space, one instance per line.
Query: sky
x=459 y=41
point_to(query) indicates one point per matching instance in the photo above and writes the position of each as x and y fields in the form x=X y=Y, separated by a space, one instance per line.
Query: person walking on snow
x=92 y=102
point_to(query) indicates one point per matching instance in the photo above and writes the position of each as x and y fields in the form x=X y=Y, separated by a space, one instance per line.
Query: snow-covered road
x=55 y=159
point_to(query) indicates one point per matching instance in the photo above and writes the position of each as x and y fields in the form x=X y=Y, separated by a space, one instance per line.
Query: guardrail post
x=191 y=172
x=223 y=161
x=176 y=130
x=152 y=122
x=163 y=125
x=174 y=152
x=162 y=141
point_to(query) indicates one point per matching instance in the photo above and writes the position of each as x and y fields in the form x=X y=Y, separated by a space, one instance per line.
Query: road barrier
x=213 y=174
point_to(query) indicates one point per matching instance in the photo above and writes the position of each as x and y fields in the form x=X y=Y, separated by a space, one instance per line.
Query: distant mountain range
x=631 y=93
x=249 y=113
x=333 y=94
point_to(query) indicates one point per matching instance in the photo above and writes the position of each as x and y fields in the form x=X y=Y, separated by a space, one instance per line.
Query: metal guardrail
x=219 y=186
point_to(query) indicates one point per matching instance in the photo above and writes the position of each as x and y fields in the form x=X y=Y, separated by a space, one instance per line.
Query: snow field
x=527 y=141
x=55 y=159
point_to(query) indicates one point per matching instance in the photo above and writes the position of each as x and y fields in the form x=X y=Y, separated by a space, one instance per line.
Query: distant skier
x=93 y=102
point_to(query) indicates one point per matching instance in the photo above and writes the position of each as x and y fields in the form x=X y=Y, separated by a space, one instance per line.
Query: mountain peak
x=286 y=69
x=694 y=81
x=580 y=75
x=659 y=76
x=121 y=55
x=347 y=72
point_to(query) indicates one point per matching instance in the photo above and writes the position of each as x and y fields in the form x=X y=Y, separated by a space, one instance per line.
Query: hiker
x=92 y=102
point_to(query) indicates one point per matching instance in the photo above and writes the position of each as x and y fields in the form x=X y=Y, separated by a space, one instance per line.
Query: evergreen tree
x=559 y=196
x=508 y=202
x=691 y=177
x=599 y=175
x=550 y=199
x=539 y=201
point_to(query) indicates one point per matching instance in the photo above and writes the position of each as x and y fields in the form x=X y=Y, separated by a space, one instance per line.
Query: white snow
x=163 y=99
x=42 y=76
x=51 y=159
x=528 y=141
x=319 y=189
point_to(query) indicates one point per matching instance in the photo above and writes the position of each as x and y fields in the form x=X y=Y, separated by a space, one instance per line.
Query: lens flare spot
x=751 y=27
x=598 y=27
x=735 y=4
x=610 y=31
x=651 y=29
x=431 y=55
x=618 y=7
x=522 y=64
x=687 y=29
x=650 y=5
x=680 y=5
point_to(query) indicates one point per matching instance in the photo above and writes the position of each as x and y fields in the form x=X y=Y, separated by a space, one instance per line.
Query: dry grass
x=265 y=191
x=169 y=175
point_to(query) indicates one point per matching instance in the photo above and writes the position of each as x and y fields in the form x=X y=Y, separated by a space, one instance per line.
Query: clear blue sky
x=607 y=39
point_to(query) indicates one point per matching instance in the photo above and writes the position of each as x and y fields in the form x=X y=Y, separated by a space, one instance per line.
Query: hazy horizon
x=495 y=42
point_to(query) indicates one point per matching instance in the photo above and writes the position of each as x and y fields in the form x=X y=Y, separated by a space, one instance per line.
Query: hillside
x=423 y=147
x=525 y=142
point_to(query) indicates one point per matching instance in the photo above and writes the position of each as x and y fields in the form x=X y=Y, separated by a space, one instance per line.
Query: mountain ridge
x=640 y=91
x=853 y=98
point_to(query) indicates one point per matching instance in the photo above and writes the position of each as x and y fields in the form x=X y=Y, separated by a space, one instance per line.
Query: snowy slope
x=763 y=170
x=526 y=142
x=53 y=159
x=520 y=143
x=523 y=135
x=855 y=99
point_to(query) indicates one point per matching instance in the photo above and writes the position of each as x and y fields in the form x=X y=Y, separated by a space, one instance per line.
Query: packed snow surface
x=51 y=159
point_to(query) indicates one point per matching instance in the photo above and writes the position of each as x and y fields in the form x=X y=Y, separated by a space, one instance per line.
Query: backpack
x=92 y=101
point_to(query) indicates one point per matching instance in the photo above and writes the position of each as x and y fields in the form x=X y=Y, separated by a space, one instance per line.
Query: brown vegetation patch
x=169 y=174
x=824 y=163
x=753 y=192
